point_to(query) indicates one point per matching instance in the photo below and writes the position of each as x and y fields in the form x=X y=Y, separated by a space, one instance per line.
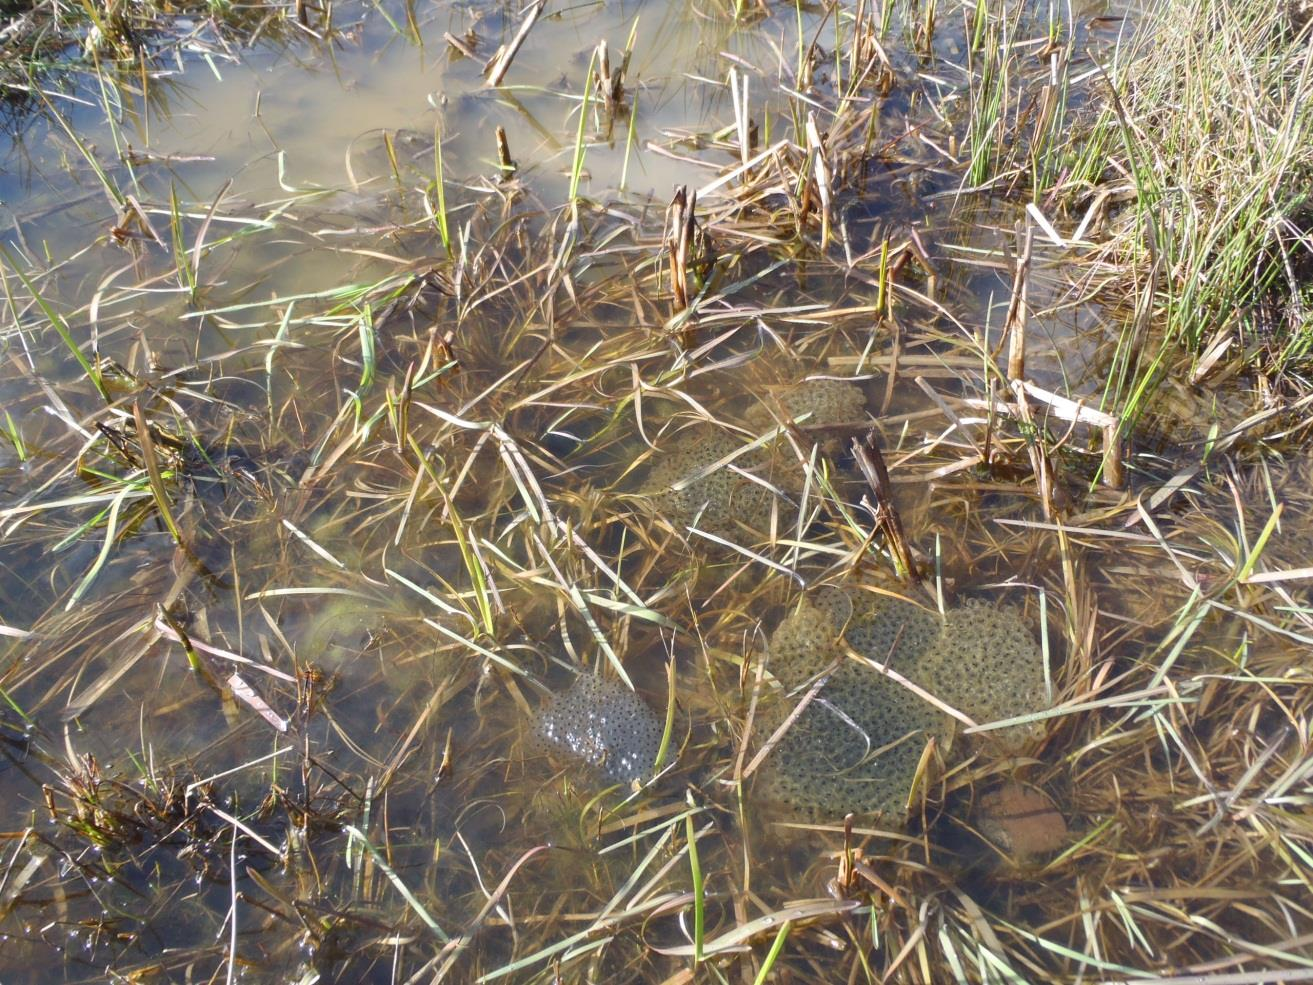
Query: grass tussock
x=48 y=48
x=1210 y=123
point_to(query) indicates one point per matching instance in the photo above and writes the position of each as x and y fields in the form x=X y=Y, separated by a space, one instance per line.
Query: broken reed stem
x=607 y=82
x=501 y=62
x=1114 y=477
x=1014 y=326
x=1039 y=456
x=505 y=163
x=681 y=227
x=917 y=246
x=459 y=45
x=871 y=461
x=820 y=174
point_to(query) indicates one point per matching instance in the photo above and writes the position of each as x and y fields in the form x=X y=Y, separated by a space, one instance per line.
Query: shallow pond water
x=283 y=730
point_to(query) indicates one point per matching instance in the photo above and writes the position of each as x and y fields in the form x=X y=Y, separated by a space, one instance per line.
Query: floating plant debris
x=603 y=724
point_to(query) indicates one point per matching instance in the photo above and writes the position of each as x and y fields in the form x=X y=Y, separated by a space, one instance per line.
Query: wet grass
x=286 y=575
x=55 y=53
x=1215 y=144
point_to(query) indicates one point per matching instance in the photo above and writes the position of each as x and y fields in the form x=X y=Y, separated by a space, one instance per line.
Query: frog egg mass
x=986 y=663
x=696 y=483
x=891 y=630
x=706 y=477
x=603 y=724
x=858 y=743
x=823 y=403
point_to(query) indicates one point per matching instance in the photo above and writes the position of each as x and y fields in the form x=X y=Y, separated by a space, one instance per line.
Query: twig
x=1014 y=326
x=501 y=62
x=871 y=461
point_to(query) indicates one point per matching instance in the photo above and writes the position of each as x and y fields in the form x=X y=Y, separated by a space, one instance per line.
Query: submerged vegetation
x=885 y=563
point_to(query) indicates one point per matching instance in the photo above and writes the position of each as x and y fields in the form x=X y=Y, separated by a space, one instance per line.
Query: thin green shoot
x=699 y=903
x=110 y=106
x=390 y=146
x=773 y=954
x=1254 y=553
x=186 y=276
x=580 y=148
x=15 y=437
x=153 y=474
x=357 y=835
x=440 y=187
x=368 y=350
x=115 y=196
x=111 y=535
x=669 y=730
x=474 y=566
x=396 y=28
x=280 y=338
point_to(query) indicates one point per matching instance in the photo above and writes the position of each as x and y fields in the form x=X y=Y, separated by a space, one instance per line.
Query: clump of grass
x=1212 y=115
x=118 y=41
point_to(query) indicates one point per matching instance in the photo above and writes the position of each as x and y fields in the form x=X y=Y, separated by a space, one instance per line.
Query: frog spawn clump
x=604 y=725
x=889 y=630
x=814 y=403
x=711 y=480
x=703 y=482
x=986 y=663
x=858 y=744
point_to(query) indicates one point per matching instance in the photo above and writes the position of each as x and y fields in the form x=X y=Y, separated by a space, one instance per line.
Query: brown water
x=395 y=624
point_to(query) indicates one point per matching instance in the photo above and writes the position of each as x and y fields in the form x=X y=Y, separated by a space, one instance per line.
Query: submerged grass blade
x=776 y=947
x=412 y=901
x=699 y=901
x=154 y=477
x=59 y=325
